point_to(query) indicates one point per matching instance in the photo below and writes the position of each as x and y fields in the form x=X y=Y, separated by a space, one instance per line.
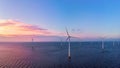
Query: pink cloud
x=5 y=23
x=32 y=27
x=10 y=28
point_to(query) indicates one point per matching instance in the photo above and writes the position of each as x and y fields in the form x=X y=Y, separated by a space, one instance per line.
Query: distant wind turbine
x=61 y=42
x=68 y=39
x=103 y=43
x=113 y=43
x=32 y=40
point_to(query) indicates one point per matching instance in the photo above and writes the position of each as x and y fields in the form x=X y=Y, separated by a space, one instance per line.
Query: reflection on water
x=53 y=55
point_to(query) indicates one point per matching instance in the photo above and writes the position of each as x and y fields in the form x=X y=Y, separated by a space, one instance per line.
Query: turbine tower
x=113 y=43
x=118 y=42
x=103 y=43
x=32 y=40
x=68 y=39
x=61 y=42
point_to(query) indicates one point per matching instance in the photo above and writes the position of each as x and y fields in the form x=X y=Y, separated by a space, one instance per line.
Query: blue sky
x=86 y=17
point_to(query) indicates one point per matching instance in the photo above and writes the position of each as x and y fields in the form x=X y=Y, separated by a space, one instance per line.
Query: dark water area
x=55 y=55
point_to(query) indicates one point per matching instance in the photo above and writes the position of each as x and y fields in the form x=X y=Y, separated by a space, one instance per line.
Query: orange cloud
x=10 y=28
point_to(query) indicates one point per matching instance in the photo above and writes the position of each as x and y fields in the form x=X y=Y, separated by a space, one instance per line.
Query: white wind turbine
x=113 y=43
x=68 y=39
x=103 y=43
x=61 y=41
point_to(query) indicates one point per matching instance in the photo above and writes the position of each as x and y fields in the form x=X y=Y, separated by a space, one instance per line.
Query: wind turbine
x=32 y=40
x=61 y=41
x=113 y=43
x=103 y=43
x=68 y=39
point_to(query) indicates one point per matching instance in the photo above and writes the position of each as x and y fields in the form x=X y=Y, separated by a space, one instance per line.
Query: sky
x=46 y=20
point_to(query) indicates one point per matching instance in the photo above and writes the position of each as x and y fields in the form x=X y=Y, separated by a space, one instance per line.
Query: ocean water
x=55 y=55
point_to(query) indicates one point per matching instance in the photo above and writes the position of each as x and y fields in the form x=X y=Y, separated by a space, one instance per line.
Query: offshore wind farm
x=63 y=54
x=52 y=55
x=59 y=34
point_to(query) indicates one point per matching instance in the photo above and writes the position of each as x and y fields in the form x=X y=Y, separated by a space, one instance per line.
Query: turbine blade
x=67 y=38
x=67 y=32
x=75 y=37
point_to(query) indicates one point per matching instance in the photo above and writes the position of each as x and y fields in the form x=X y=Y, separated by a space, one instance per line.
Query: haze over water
x=53 y=55
x=34 y=22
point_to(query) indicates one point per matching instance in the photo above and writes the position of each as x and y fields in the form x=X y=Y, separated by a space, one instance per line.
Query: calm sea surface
x=54 y=55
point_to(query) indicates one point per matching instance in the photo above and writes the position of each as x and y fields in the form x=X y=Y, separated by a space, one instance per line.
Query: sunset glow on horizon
x=15 y=28
x=46 y=20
